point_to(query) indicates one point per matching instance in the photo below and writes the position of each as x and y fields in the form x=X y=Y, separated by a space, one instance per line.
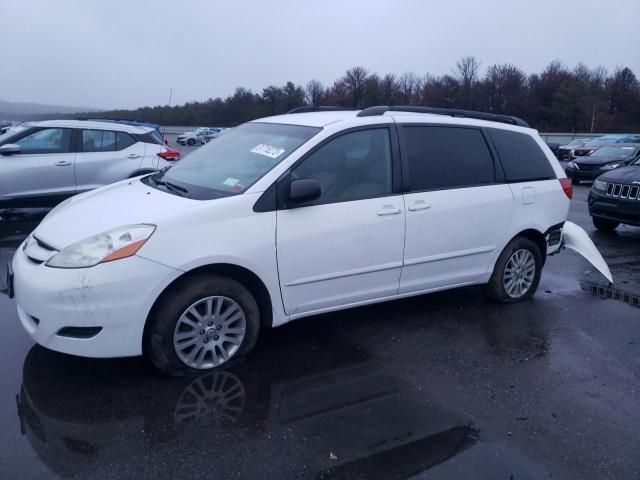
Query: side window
x=98 y=141
x=124 y=140
x=45 y=140
x=447 y=157
x=354 y=166
x=520 y=156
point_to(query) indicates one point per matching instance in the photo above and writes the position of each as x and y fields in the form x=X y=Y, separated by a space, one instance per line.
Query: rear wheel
x=603 y=224
x=204 y=323
x=191 y=142
x=516 y=274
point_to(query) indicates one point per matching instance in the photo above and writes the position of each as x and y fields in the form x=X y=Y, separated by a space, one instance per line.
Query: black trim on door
x=273 y=198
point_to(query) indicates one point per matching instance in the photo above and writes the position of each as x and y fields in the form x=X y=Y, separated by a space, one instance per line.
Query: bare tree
x=409 y=86
x=467 y=69
x=389 y=88
x=314 y=93
x=354 y=83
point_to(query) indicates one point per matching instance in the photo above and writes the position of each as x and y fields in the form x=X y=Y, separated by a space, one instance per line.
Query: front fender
x=576 y=239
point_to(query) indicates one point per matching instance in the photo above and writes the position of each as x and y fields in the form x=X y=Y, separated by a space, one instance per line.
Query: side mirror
x=9 y=149
x=304 y=190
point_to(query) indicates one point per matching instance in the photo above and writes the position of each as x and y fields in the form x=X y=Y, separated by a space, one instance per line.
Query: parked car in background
x=565 y=152
x=199 y=136
x=45 y=162
x=602 y=160
x=292 y=216
x=554 y=147
x=596 y=143
x=615 y=197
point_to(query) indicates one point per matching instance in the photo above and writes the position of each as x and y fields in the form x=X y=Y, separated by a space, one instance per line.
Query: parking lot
x=439 y=386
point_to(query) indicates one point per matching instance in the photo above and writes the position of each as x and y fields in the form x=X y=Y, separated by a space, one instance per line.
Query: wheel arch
x=535 y=236
x=241 y=274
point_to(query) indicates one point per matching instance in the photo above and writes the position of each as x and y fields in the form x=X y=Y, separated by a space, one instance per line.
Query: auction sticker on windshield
x=268 y=150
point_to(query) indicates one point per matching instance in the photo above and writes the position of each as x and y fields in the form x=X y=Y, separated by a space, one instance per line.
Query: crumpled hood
x=123 y=203
x=629 y=175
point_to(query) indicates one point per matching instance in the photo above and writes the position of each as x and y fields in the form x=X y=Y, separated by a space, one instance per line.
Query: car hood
x=598 y=160
x=623 y=175
x=123 y=203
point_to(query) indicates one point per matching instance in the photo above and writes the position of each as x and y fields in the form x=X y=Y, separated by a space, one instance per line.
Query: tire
x=519 y=248
x=575 y=181
x=604 y=225
x=174 y=321
x=191 y=142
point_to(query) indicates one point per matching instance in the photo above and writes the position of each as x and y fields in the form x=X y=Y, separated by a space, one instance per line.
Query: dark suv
x=602 y=160
x=615 y=197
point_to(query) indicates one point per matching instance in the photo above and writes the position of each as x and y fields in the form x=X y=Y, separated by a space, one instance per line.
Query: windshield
x=236 y=160
x=615 y=151
x=577 y=142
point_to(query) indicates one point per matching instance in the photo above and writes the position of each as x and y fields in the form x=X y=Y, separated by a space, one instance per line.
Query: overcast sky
x=129 y=53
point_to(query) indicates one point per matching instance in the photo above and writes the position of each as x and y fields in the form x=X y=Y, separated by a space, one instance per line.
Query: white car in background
x=42 y=163
x=199 y=136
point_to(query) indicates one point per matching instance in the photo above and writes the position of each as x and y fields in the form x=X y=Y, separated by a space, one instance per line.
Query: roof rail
x=492 y=117
x=310 y=108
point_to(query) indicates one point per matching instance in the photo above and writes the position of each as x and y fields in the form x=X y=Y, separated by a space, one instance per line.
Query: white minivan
x=291 y=216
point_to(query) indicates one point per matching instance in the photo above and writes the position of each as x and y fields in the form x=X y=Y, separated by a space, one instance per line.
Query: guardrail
x=561 y=138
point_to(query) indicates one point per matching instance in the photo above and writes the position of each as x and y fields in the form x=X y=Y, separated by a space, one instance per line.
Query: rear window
x=521 y=157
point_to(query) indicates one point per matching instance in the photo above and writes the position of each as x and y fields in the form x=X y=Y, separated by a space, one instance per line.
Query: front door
x=42 y=171
x=346 y=246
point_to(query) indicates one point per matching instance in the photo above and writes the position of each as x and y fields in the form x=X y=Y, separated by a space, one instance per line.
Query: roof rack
x=493 y=117
x=310 y=108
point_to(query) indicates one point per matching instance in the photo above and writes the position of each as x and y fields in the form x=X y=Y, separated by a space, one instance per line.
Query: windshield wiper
x=172 y=187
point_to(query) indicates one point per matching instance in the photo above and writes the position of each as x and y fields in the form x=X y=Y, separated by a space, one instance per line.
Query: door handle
x=62 y=163
x=389 y=210
x=133 y=155
x=419 y=205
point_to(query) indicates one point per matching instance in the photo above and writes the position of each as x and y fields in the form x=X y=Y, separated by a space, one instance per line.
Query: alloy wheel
x=519 y=273
x=209 y=332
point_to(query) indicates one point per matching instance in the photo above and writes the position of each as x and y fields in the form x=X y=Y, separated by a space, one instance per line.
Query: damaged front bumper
x=92 y=312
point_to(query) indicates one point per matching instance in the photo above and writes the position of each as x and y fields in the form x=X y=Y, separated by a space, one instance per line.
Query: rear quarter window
x=521 y=157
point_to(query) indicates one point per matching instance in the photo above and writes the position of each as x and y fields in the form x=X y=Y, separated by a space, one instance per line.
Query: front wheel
x=516 y=274
x=191 y=142
x=205 y=322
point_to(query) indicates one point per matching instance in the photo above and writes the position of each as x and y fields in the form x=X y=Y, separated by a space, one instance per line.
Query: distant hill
x=35 y=111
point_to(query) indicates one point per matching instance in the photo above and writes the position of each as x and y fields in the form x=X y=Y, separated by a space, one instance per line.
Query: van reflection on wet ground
x=336 y=414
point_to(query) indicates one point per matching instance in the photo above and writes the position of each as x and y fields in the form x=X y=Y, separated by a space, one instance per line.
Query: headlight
x=610 y=166
x=600 y=185
x=115 y=244
x=572 y=164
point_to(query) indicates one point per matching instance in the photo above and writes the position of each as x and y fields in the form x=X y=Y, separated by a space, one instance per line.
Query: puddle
x=335 y=414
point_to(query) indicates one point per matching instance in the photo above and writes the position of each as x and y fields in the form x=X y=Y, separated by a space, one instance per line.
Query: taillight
x=170 y=155
x=566 y=186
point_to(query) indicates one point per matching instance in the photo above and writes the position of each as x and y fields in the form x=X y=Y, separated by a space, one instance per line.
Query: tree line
x=562 y=99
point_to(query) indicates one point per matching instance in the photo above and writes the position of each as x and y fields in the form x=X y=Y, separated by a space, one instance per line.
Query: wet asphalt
x=441 y=386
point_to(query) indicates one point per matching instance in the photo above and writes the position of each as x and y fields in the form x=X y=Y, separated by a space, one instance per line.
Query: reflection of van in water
x=336 y=415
